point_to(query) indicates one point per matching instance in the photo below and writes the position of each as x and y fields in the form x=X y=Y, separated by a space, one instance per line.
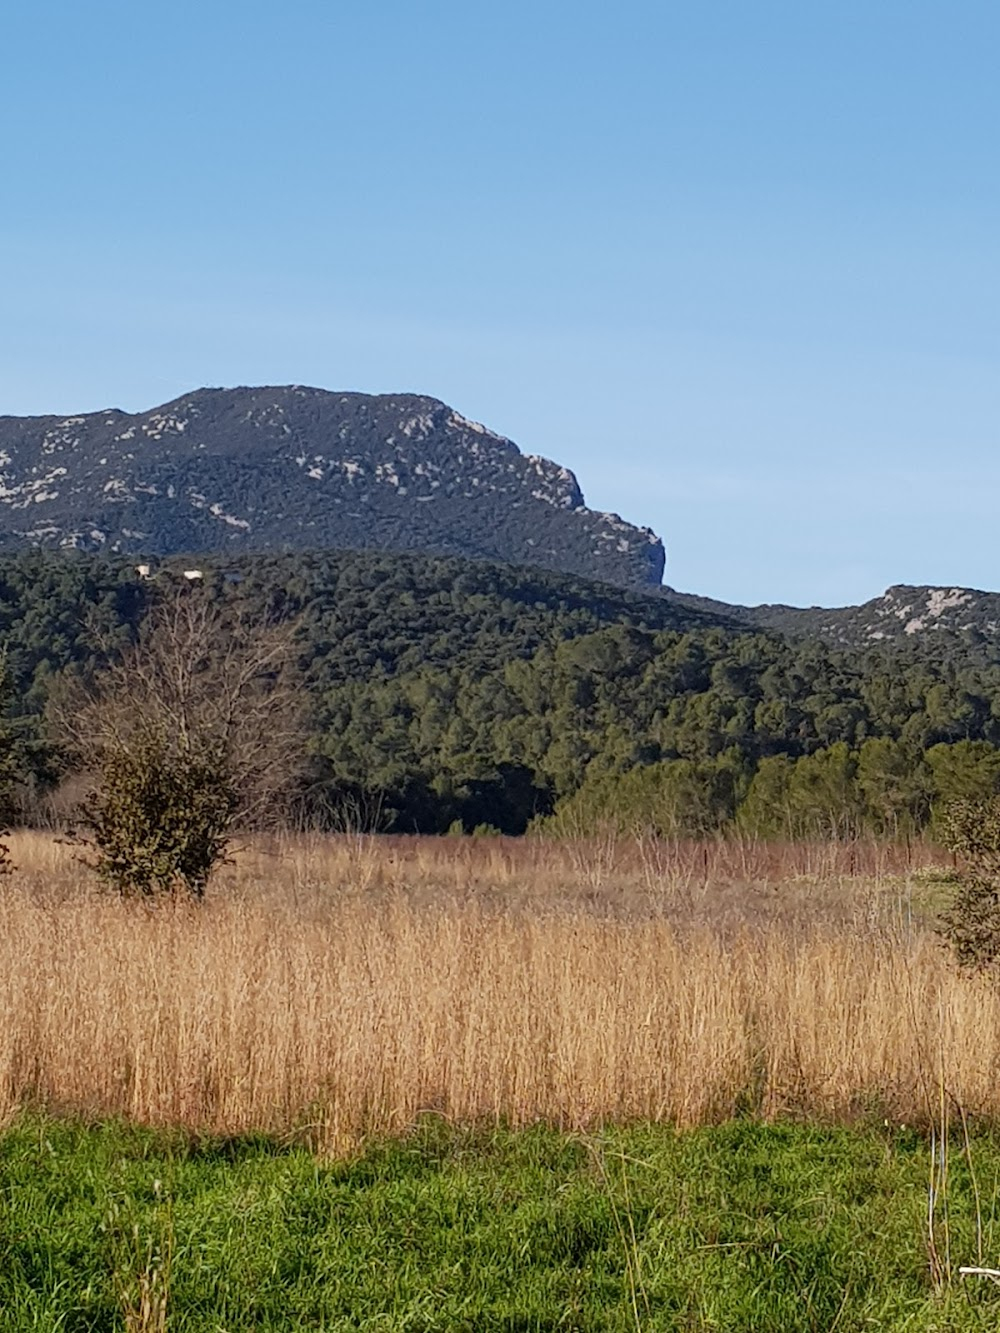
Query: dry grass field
x=339 y=987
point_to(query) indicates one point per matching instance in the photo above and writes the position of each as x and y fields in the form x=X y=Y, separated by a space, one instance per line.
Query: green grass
x=739 y=1227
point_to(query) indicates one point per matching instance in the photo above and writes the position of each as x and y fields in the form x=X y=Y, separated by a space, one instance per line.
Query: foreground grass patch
x=744 y=1226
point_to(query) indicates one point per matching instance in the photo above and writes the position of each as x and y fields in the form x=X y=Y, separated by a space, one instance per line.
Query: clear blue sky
x=735 y=263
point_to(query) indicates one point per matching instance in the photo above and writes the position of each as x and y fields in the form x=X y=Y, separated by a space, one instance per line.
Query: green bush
x=158 y=819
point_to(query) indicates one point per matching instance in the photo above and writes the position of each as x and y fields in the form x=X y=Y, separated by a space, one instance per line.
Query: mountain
x=294 y=468
x=903 y=613
x=905 y=616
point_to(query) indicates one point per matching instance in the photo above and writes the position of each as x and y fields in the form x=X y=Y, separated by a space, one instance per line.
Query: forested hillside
x=363 y=615
x=443 y=690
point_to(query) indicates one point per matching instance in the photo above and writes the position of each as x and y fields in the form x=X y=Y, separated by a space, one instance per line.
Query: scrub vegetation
x=446 y=692
x=715 y=1046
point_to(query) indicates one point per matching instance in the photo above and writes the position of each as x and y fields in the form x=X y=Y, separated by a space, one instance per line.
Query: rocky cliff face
x=294 y=467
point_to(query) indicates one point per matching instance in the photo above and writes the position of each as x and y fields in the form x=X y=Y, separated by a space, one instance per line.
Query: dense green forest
x=445 y=691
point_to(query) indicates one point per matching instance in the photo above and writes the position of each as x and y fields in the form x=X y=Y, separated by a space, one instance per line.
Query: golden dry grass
x=351 y=984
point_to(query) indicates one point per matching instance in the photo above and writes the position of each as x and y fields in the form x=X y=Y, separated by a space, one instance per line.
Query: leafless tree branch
x=200 y=675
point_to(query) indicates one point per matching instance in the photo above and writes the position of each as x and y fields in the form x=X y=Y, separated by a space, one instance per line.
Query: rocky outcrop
x=294 y=467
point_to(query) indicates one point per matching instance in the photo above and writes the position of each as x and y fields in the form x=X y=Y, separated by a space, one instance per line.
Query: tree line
x=444 y=692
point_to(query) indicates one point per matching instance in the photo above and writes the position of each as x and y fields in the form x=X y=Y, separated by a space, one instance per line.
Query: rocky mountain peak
x=295 y=467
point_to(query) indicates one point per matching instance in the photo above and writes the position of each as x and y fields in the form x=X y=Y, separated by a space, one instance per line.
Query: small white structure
x=192 y=574
x=142 y=571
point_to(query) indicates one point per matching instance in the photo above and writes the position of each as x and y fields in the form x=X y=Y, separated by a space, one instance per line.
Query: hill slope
x=443 y=689
x=943 y=620
x=293 y=468
x=903 y=613
x=364 y=614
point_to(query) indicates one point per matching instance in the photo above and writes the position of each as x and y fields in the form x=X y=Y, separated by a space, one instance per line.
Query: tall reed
x=355 y=985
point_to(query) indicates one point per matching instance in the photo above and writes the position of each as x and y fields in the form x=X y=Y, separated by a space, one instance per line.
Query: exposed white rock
x=217 y=511
x=418 y=426
x=939 y=600
x=159 y=424
x=463 y=423
x=419 y=447
x=41 y=534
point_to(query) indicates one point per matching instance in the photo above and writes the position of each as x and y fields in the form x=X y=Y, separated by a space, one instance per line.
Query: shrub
x=158 y=820
x=222 y=687
x=196 y=727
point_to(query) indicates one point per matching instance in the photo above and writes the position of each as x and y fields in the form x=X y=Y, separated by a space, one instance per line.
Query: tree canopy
x=446 y=690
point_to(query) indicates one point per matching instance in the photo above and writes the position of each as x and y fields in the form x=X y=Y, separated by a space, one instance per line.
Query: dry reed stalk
x=353 y=984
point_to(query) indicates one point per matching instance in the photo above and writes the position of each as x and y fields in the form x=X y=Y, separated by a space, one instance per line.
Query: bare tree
x=197 y=728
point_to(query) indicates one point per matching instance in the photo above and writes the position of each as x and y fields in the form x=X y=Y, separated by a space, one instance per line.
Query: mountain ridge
x=292 y=467
x=903 y=614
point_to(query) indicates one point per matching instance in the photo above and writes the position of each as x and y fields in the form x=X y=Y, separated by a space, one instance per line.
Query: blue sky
x=736 y=264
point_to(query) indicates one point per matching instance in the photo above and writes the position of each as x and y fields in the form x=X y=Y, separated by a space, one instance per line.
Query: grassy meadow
x=735 y=1227
x=474 y=1084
